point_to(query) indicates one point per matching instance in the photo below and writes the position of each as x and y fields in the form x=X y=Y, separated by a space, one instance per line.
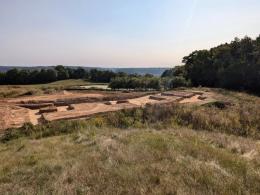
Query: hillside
x=173 y=149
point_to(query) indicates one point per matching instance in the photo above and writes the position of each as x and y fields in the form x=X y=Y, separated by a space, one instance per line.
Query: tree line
x=24 y=76
x=118 y=80
x=234 y=65
x=146 y=82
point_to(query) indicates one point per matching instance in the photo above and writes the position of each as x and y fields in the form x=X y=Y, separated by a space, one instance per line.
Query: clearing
x=171 y=146
x=66 y=105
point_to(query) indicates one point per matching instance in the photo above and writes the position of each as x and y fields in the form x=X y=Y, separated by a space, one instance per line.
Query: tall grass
x=138 y=152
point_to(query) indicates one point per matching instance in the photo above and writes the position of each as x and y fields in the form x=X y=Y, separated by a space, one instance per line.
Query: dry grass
x=175 y=149
x=112 y=161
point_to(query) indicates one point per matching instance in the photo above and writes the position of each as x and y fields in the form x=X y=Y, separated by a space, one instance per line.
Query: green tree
x=62 y=72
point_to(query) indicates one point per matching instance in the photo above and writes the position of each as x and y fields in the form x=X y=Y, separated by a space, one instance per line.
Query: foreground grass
x=18 y=90
x=112 y=161
x=172 y=149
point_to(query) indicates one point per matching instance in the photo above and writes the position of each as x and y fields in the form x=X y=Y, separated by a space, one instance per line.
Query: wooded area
x=234 y=65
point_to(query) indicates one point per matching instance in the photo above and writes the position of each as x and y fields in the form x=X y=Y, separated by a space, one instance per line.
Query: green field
x=176 y=149
x=37 y=89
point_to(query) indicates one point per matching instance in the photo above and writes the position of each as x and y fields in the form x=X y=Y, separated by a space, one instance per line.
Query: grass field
x=18 y=90
x=177 y=149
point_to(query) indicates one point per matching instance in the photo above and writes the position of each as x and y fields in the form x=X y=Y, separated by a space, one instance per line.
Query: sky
x=119 y=33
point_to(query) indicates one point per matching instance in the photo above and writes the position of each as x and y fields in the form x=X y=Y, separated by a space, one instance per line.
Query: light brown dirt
x=86 y=110
x=142 y=101
x=15 y=116
x=34 y=116
x=54 y=97
x=193 y=99
x=62 y=108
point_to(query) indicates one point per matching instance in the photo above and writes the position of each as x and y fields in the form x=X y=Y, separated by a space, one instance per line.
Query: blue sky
x=119 y=33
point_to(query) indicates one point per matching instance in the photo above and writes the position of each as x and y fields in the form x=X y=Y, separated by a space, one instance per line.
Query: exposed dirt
x=142 y=101
x=13 y=116
x=83 y=105
x=193 y=99
x=54 y=97
x=86 y=110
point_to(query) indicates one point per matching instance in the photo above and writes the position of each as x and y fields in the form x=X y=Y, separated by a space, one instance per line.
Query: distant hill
x=141 y=71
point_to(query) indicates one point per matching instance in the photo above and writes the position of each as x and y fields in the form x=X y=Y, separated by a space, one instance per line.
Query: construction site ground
x=67 y=105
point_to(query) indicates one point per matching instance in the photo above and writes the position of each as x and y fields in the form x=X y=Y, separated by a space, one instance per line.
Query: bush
x=135 y=82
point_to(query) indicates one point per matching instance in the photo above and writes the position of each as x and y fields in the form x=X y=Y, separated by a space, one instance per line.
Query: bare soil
x=54 y=97
x=13 y=116
x=193 y=99
x=83 y=105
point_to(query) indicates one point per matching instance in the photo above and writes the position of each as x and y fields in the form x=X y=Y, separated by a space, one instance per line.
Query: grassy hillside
x=158 y=150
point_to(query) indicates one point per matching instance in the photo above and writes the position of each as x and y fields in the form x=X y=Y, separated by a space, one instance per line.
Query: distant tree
x=179 y=81
x=51 y=75
x=12 y=76
x=130 y=82
x=101 y=76
x=2 y=78
x=62 y=72
x=176 y=71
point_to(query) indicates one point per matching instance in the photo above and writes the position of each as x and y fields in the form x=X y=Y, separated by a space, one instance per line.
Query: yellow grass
x=159 y=150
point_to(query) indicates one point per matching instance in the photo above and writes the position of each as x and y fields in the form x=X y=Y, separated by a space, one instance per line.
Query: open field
x=100 y=160
x=204 y=143
x=7 y=91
